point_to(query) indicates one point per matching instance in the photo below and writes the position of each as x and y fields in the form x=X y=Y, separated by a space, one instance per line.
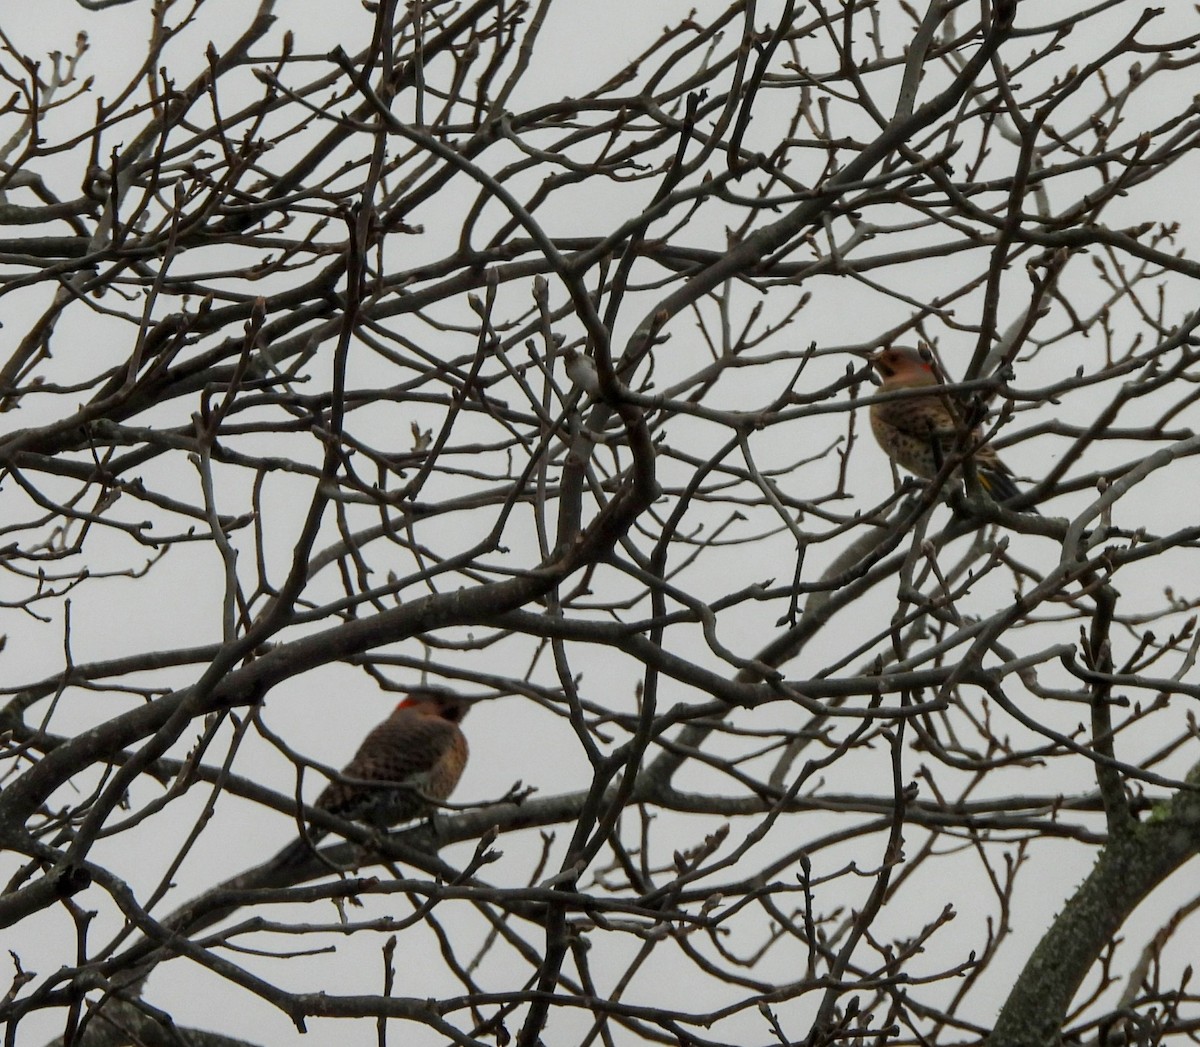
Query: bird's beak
x=873 y=372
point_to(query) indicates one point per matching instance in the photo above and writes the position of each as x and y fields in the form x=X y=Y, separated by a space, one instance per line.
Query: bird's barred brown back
x=403 y=768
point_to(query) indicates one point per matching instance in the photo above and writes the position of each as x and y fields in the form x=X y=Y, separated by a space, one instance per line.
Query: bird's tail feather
x=294 y=854
x=1001 y=487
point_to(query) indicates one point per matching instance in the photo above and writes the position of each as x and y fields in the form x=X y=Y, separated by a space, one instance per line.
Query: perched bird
x=919 y=433
x=403 y=769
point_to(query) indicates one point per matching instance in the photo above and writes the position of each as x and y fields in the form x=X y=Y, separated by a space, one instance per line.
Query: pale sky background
x=582 y=43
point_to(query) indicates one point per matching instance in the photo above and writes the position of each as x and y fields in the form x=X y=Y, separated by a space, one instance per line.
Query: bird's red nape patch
x=429 y=703
x=896 y=361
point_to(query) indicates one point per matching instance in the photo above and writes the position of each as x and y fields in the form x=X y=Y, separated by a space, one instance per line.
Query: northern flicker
x=919 y=433
x=403 y=769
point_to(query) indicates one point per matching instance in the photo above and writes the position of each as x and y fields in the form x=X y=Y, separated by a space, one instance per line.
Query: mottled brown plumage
x=919 y=433
x=403 y=769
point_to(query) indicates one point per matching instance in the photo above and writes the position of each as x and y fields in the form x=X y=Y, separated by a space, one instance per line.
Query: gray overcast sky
x=581 y=44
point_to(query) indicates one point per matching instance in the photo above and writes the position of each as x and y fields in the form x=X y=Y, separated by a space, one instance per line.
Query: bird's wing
x=920 y=416
x=404 y=749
